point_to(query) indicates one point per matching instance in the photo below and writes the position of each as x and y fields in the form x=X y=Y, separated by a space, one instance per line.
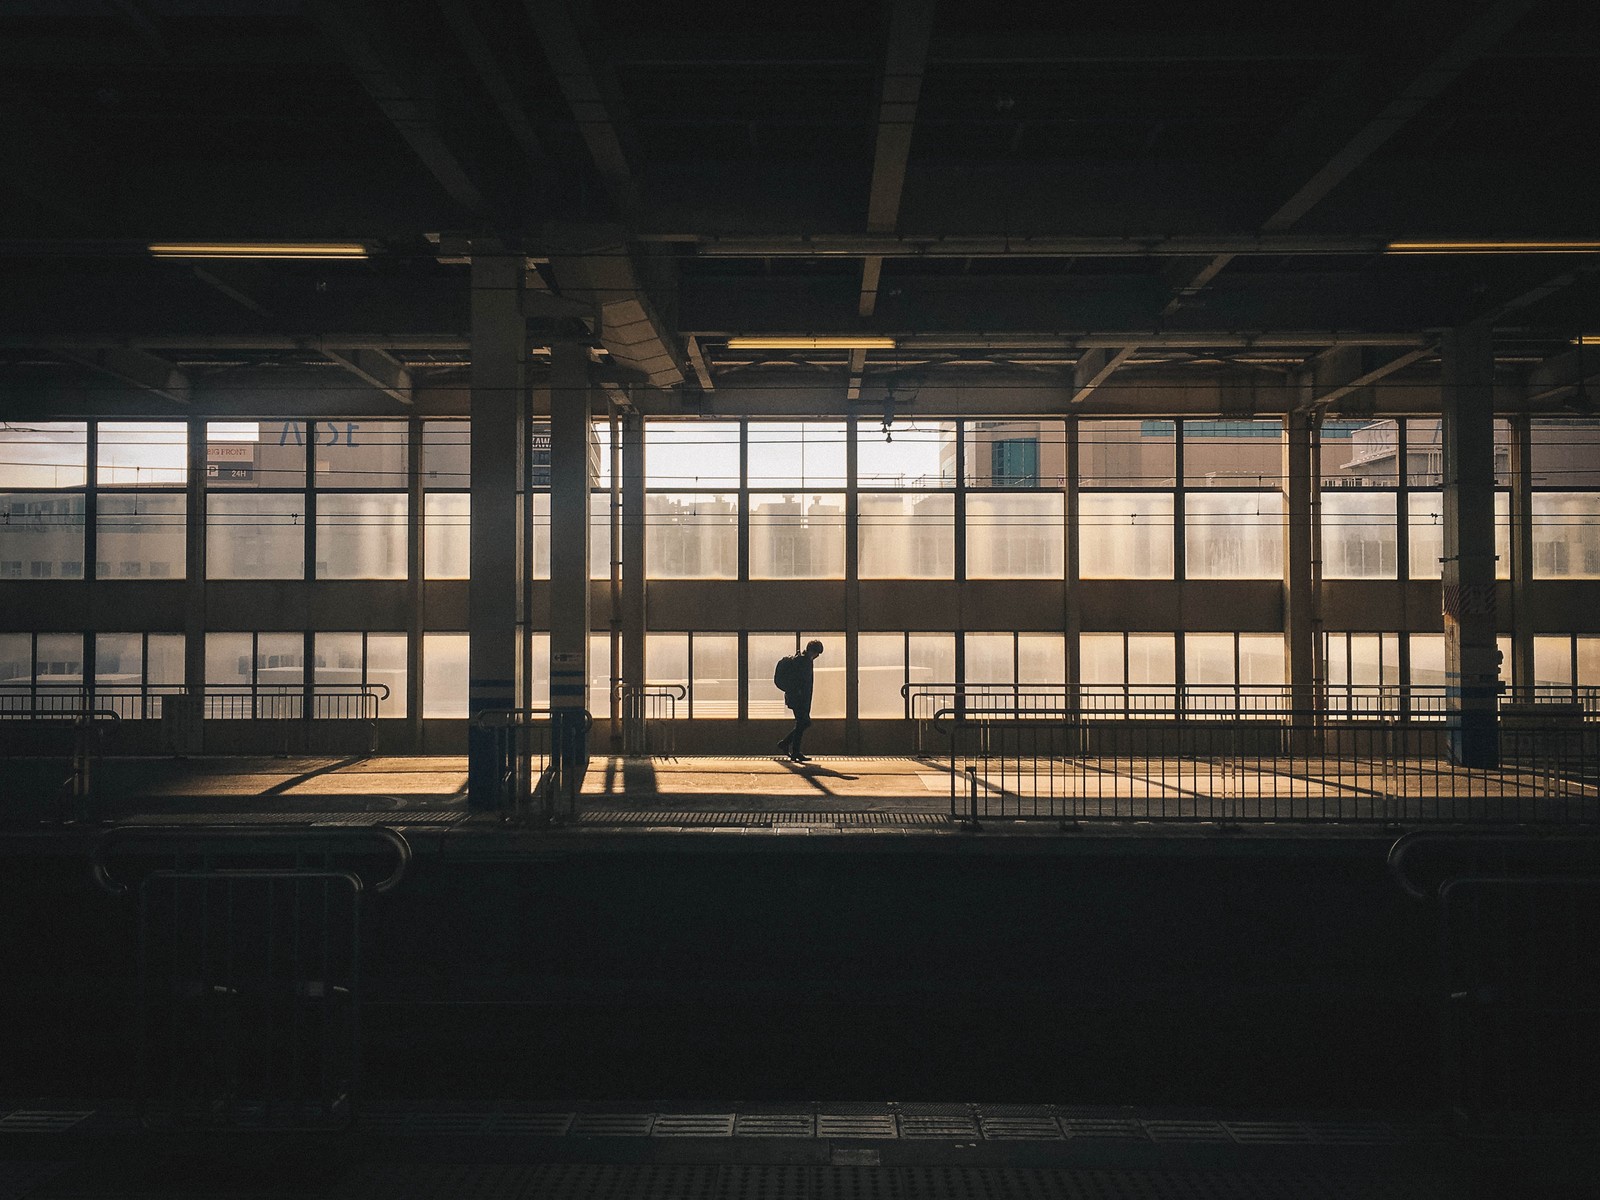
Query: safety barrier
x=1272 y=767
x=1519 y=976
x=249 y=976
x=649 y=717
x=540 y=756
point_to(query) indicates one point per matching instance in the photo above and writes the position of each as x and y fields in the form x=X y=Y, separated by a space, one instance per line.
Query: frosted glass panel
x=828 y=676
x=1152 y=658
x=16 y=664
x=1208 y=659
x=990 y=658
x=229 y=660
x=386 y=664
x=716 y=675
x=1565 y=452
x=1233 y=535
x=1124 y=535
x=255 y=454
x=765 y=701
x=41 y=535
x=256 y=536
x=447 y=535
x=906 y=535
x=1359 y=537
x=692 y=536
x=691 y=454
x=1588 y=661
x=883 y=666
x=797 y=454
x=142 y=453
x=43 y=454
x=1014 y=535
x=1261 y=659
x=797 y=537
x=916 y=454
x=1566 y=535
x=58 y=658
x=1425 y=513
x=361 y=536
x=140 y=536
x=1427 y=659
x=599 y=534
x=931 y=658
x=1100 y=658
x=1041 y=658
x=1552 y=661
x=666 y=658
x=444 y=675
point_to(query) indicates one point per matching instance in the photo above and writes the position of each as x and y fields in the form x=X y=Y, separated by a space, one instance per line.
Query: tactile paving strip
x=613 y=1125
x=32 y=1120
x=709 y=1125
x=856 y=1125
x=723 y=819
x=399 y=816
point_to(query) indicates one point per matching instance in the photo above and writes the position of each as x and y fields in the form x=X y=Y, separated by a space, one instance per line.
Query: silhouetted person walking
x=793 y=677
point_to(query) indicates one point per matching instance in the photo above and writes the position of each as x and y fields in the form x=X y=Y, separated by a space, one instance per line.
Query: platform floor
x=709 y=792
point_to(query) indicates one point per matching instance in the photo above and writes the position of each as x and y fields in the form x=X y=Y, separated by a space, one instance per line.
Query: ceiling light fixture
x=1492 y=247
x=312 y=250
x=1587 y=339
x=828 y=342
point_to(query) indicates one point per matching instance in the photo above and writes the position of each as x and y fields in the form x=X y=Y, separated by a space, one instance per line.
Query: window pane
x=360 y=454
x=1360 y=454
x=599 y=534
x=1565 y=452
x=1589 y=661
x=1127 y=453
x=229 y=660
x=1566 y=535
x=386 y=665
x=447 y=454
x=361 y=536
x=1100 y=658
x=1425 y=551
x=1041 y=659
x=119 y=663
x=256 y=536
x=1233 y=535
x=1208 y=660
x=41 y=535
x=1358 y=535
x=1552 y=661
x=691 y=454
x=44 y=454
x=447 y=535
x=1124 y=535
x=797 y=454
x=142 y=453
x=16 y=666
x=1425 y=452
x=692 y=537
x=931 y=658
x=338 y=659
x=1427 y=660
x=444 y=675
x=539 y=688
x=918 y=454
x=828 y=683
x=280 y=660
x=163 y=663
x=1014 y=536
x=598 y=697
x=1232 y=453
x=990 y=658
x=882 y=658
x=716 y=675
x=255 y=454
x=140 y=536
x=906 y=535
x=58 y=658
x=797 y=537
x=666 y=658
x=1016 y=454
x=1152 y=659
x=763 y=700
x=1261 y=659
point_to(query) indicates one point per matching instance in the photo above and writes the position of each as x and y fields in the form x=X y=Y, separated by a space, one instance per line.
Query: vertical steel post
x=572 y=473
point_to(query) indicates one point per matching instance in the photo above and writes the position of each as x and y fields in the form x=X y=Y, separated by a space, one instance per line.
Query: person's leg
x=789 y=740
x=802 y=721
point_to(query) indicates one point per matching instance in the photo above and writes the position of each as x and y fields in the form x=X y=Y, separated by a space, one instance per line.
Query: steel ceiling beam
x=136 y=368
x=880 y=245
x=475 y=44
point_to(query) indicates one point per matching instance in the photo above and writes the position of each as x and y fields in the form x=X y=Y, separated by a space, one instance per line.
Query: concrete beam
x=1560 y=376
x=1095 y=367
x=593 y=266
x=1342 y=370
x=136 y=368
x=697 y=360
x=379 y=368
x=399 y=93
x=475 y=44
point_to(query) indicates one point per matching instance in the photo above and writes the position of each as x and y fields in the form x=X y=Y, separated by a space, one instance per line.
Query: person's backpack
x=786 y=675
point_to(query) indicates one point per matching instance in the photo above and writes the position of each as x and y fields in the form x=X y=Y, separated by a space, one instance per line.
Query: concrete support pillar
x=1522 y=553
x=498 y=412
x=852 y=592
x=633 y=573
x=1302 y=553
x=1072 y=604
x=572 y=474
x=194 y=557
x=1471 y=658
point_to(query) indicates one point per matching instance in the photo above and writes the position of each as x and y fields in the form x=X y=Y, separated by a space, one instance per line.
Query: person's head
x=813 y=648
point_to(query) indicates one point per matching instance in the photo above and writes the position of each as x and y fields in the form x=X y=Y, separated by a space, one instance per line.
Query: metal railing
x=249 y=976
x=540 y=757
x=649 y=717
x=222 y=702
x=1278 y=767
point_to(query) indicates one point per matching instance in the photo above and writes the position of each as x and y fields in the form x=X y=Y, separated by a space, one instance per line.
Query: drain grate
x=951 y=1126
x=732 y=821
x=531 y=1124
x=1020 y=1129
x=38 y=1120
x=856 y=1125
x=780 y=1125
x=700 y=1125
x=1125 y=1128
x=613 y=1124
x=363 y=819
x=1185 y=1131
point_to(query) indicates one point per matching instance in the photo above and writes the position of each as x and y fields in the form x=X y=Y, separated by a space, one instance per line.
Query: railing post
x=971 y=823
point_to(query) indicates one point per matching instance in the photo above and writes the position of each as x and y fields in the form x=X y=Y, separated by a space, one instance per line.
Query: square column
x=499 y=412
x=573 y=468
x=1302 y=554
x=1471 y=657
